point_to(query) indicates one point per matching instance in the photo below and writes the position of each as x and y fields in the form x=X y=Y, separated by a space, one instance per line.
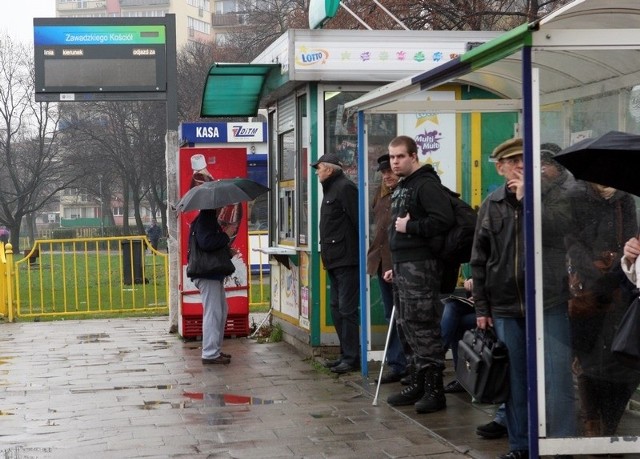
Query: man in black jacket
x=340 y=256
x=497 y=269
x=421 y=215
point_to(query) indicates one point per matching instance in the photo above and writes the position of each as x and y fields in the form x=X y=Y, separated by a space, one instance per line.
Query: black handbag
x=206 y=263
x=626 y=340
x=483 y=366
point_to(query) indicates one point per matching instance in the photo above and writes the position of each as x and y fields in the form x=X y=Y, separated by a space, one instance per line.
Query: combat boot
x=410 y=394
x=433 y=399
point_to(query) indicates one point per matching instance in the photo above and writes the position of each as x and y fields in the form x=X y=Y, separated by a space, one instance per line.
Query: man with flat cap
x=379 y=262
x=340 y=256
x=497 y=269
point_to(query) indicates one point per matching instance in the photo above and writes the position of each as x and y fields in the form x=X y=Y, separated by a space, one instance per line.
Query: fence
x=89 y=277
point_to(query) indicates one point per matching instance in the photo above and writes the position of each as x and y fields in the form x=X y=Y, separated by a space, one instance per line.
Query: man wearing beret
x=497 y=269
x=421 y=216
x=339 y=250
x=379 y=261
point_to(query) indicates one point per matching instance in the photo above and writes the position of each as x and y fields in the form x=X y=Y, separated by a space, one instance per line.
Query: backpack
x=458 y=241
x=456 y=248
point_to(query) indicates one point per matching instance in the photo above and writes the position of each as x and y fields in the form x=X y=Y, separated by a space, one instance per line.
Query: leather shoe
x=406 y=380
x=492 y=431
x=226 y=356
x=220 y=360
x=453 y=387
x=331 y=363
x=390 y=377
x=343 y=368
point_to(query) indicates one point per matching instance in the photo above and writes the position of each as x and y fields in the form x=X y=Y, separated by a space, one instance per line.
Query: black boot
x=410 y=394
x=433 y=399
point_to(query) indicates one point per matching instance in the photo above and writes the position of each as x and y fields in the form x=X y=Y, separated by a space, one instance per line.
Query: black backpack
x=456 y=248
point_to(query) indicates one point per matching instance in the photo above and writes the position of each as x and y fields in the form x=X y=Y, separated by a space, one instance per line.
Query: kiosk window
x=303 y=170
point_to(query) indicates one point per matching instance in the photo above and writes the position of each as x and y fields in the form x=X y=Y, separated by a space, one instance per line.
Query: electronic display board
x=78 y=59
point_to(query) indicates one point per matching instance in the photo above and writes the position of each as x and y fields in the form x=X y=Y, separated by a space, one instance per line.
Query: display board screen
x=75 y=57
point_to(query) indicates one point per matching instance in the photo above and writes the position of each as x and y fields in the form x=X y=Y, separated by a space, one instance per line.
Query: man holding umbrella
x=339 y=252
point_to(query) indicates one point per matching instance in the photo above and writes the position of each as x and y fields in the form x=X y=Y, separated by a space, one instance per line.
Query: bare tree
x=126 y=141
x=31 y=169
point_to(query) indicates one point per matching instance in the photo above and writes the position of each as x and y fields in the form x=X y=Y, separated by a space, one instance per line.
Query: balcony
x=225 y=20
x=138 y=3
x=83 y=5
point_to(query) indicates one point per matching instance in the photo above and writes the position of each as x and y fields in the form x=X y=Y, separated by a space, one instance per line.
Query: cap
x=507 y=149
x=327 y=158
x=198 y=162
x=383 y=163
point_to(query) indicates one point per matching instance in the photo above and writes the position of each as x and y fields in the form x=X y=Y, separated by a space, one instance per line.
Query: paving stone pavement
x=126 y=388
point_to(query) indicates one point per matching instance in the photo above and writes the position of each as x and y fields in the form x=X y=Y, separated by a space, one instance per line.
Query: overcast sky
x=17 y=20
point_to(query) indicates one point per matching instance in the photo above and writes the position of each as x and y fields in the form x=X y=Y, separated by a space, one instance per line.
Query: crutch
x=384 y=357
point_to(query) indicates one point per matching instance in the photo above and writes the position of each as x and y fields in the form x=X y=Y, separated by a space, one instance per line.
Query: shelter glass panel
x=587 y=217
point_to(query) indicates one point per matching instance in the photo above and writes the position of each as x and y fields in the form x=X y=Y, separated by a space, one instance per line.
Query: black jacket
x=422 y=195
x=209 y=235
x=497 y=258
x=339 y=222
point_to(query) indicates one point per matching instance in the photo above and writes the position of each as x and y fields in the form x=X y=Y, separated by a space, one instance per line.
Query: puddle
x=229 y=399
x=93 y=338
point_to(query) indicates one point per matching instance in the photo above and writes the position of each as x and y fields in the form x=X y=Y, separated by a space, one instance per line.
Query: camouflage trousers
x=416 y=294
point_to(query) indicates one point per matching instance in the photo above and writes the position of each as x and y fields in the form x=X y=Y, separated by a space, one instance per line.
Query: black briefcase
x=483 y=366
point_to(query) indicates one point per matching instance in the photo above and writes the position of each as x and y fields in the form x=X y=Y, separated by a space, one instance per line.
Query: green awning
x=234 y=89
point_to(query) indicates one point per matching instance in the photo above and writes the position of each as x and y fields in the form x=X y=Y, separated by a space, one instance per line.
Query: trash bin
x=132 y=256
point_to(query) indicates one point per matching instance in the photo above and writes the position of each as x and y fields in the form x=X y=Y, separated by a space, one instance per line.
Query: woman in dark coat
x=603 y=220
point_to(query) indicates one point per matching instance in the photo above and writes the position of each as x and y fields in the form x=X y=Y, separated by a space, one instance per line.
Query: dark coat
x=601 y=225
x=339 y=222
x=422 y=196
x=497 y=257
x=379 y=255
x=209 y=236
x=556 y=223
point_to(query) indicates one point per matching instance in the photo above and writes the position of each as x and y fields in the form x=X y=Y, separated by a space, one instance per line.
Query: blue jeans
x=457 y=317
x=395 y=354
x=560 y=397
x=512 y=331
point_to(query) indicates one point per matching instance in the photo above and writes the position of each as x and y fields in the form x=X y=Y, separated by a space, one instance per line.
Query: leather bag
x=626 y=341
x=202 y=263
x=483 y=366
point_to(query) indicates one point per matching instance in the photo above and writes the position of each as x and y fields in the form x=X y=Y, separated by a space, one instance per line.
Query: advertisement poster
x=435 y=135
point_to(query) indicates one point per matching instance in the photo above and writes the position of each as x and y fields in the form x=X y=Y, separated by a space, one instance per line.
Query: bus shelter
x=573 y=74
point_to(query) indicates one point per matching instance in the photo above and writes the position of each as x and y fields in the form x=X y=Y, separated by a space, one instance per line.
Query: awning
x=234 y=89
x=573 y=48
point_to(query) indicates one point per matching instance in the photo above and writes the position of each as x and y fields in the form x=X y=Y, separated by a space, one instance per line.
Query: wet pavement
x=126 y=388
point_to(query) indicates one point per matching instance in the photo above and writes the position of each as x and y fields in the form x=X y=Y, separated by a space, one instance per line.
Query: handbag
x=626 y=340
x=584 y=302
x=483 y=366
x=207 y=263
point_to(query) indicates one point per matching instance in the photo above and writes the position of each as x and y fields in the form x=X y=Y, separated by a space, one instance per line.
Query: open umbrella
x=613 y=159
x=220 y=193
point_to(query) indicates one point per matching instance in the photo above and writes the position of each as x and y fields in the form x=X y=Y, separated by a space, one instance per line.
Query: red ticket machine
x=217 y=163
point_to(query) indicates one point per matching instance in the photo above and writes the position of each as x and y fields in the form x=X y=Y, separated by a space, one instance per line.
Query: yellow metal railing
x=97 y=276
x=259 y=287
x=91 y=276
x=6 y=280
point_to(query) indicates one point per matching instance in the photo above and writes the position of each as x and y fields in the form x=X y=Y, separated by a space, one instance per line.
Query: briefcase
x=483 y=366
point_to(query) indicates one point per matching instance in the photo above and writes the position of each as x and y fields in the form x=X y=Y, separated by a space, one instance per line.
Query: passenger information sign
x=106 y=58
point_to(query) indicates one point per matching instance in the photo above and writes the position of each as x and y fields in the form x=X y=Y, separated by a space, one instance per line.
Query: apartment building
x=193 y=17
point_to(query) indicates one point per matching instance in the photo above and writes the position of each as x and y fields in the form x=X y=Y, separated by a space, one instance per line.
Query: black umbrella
x=220 y=193
x=613 y=159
